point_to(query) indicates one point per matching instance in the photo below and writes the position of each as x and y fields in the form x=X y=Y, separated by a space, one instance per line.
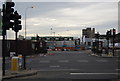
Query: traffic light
x=108 y=35
x=37 y=38
x=17 y=22
x=8 y=15
x=114 y=33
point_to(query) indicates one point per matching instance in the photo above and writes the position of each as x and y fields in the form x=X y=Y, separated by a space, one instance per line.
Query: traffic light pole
x=3 y=55
x=98 y=46
x=24 y=60
x=16 y=43
x=114 y=34
x=108 y=46
x=3 y=42
x=113 y=47
x=7 y=24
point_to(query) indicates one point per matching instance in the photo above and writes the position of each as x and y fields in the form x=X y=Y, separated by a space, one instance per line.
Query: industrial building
x=88 y=35
x=88 y=32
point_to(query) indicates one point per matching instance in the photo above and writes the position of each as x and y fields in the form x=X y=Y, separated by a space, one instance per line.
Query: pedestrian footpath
x=22 y=73
x=105 y=55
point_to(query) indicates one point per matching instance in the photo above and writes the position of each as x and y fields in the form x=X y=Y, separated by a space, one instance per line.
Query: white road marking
x=118 y=60
x=44 y=61
x=82 y=60
x=102 y=60
x=64 y=61
x=54 y=66
x=93 y=73
x=117 y=69
x=58 y=69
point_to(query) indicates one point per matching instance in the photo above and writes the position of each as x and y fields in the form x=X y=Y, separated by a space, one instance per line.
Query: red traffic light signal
x=114 y=31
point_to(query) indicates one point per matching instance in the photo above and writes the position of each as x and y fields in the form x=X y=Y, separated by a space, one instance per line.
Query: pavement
x=105 y=55
x=22 y=73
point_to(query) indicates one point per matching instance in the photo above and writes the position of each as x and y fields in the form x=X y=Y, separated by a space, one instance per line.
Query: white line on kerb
x=93 y=73
x=117 y=69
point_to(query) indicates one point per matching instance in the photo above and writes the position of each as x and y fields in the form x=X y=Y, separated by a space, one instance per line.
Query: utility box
x=20 y=61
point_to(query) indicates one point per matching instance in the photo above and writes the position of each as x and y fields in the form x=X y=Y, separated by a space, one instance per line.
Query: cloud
x=72 y=16
x=66 y=0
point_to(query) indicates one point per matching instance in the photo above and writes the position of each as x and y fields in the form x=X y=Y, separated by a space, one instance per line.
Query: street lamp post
x=54 y=34
x=25 y=18
x=51 y=30
x=24 y=56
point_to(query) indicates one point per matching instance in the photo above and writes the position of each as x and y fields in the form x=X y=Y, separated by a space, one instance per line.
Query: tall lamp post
x=25 y=19
x=24 y=56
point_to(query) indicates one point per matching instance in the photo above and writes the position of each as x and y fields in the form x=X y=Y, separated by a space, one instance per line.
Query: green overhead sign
x=53 y=38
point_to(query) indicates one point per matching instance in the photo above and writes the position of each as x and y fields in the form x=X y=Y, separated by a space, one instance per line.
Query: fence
x=25 y=47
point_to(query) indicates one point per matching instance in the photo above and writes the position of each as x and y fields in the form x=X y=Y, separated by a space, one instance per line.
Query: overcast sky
x=67 y=18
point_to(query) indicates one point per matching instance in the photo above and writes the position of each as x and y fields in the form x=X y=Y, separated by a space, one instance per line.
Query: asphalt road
x=73 y=65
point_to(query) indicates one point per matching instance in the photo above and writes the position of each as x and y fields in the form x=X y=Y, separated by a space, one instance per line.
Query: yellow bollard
x=110 y=54
x=14 y=64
